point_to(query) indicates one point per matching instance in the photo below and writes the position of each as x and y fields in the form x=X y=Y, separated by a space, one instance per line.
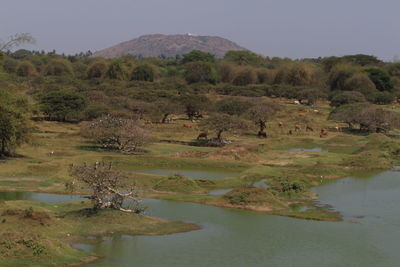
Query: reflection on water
x=190 y=173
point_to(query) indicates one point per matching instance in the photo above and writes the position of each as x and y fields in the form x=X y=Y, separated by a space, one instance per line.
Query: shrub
x=97 y=69
x=62 y=105
x=245 y=76
x=143 y=72
x=199 y=71
x=177 y=183
x=26 y=69
x=347 y=97
x=58 y=67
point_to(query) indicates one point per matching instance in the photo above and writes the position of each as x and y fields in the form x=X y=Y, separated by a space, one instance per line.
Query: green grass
x=34 y=233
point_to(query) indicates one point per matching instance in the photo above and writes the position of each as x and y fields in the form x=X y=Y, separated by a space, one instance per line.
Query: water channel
x=368 y=236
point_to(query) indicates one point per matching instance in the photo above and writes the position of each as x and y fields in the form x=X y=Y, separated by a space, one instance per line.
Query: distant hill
x=155 y=45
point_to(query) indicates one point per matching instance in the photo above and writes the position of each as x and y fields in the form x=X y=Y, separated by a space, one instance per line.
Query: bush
x=199 y=71
x=233 y=106
x=380 y=78
x=358 y=80
x=97 y=69
x=347 y=97
x=384 y=98
x=290 y=186
x=177 y=183
x=245 y=76
x=143 y=72
x=26 y=69
x=62 y=105
x=58 y=67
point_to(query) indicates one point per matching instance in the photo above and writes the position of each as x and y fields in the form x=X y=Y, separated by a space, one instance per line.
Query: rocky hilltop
x=169 y=45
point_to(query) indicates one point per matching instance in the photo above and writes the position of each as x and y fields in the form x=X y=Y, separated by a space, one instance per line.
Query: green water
x=369 y=236
x=40 y=197
x=195 y=174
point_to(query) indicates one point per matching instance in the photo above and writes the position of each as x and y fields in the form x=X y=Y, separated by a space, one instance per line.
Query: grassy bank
x=39 y=234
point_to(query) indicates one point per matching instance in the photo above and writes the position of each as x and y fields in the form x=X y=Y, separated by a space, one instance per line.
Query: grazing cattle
x=187 y=125
x=262 y=134
x=338 y=128
x=202 y=135
x=280 y=124
x=297 y=128
x=290 y=132
x=323 y=133
x=309 y=128
x=296 y=102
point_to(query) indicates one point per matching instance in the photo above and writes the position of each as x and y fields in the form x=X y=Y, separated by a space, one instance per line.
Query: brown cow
x=280 y=124
x=297 y=128
x=309 y=128
x=187 y=125
x=338 y=128
x=262 y=134
x=290 y=132
x=202 y=135
x=323 y=133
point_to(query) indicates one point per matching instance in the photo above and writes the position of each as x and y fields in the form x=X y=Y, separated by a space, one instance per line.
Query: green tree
x=143 y=72
x=58 y=67
x=14 y=125
x=199 y=71
x=233 y=106
x=62 y=105
x=117 y=71
x=244 y=57
x=197 y=55
x=347 y=97
x=380 y=78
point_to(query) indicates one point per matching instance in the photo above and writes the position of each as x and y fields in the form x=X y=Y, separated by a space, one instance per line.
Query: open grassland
x=43 y=165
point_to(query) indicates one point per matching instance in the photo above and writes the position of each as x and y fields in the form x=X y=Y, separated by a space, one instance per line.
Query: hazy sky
x=292 y=28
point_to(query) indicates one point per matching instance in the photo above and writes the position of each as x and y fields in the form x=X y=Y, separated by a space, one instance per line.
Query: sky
x=283 y=28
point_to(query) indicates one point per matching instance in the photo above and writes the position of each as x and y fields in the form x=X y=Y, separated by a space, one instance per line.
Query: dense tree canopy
x=14 y=125
x=62 y=105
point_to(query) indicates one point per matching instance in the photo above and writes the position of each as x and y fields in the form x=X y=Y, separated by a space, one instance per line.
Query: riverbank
x=41 y=234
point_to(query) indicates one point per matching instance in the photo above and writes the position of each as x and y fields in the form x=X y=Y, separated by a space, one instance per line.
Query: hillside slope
x=169 y=45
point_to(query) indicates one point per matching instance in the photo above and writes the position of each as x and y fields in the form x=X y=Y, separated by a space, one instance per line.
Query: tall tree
x=14 y=125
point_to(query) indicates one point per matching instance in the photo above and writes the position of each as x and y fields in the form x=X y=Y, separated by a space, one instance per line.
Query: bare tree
x=369 y=117
x=106 y=187
x=111 y=132
x=220 y=123
x=16 y=40
x=262 y=112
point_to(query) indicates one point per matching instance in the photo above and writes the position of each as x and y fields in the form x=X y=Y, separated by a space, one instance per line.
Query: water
x=190 y=173
x=315 y=149
x=369 y=236
x=39 y=197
